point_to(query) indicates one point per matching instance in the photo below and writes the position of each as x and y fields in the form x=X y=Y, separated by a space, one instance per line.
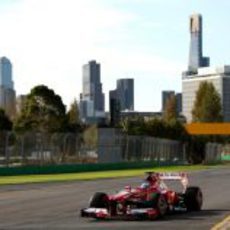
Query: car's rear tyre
x=193 y=198
x=99 y=200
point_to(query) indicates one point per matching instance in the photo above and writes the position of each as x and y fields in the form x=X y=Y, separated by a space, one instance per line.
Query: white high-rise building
x=219 y=77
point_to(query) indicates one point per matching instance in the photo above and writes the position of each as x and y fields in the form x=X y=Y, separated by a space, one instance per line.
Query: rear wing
x=173 y=176
x=182 y=177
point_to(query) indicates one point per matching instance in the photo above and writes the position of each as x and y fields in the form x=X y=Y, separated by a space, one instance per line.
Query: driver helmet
x=152 y=179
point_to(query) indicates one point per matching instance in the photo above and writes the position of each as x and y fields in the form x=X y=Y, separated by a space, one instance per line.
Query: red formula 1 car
x=152 y=199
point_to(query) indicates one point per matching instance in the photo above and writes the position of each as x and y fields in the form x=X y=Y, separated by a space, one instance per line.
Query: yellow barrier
x=208 y=128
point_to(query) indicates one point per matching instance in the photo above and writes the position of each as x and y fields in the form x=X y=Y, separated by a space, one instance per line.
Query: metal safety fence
x=139 y=148
x=44 y=148
x=102 y=146
x=216 y=152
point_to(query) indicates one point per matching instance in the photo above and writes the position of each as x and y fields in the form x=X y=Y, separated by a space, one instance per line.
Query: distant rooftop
x=209 y=71
x=217 y=70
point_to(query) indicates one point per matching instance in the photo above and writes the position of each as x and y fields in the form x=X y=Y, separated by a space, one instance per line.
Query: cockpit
x=145 y=185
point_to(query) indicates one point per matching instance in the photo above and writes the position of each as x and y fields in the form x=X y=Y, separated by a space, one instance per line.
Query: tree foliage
x=73 y=119
x=90 y=136
x=44 y=111
x=170 y=130
x=133 y=126
x=155 y=128
x=207 y=106
x=5 y=123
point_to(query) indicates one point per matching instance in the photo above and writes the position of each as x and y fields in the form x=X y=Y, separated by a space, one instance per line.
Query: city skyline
x=126 y=37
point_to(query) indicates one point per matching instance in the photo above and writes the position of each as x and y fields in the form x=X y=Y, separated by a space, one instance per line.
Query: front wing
x=103 y=213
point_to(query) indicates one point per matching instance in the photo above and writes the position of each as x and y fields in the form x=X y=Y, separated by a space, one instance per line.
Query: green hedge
x=75 y=168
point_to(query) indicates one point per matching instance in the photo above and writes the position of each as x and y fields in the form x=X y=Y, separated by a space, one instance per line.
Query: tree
x=155 y=127
x=5 y=123
x=207 y=106
x=174 y=129
x=73 y=117
x=44 y=111
x=170 y=112
x=133 y=126
x=90 y=136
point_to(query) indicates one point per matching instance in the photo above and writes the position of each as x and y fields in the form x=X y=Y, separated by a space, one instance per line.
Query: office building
x=92 y=86
x=7 y=93
x=178 y=103
x=114 y=108
x=166 y=95
x=219 y=77
x=20 y=103
x=86 y=110
x=92 y=98
x=196 y=59
x=6 y=73
x=125 y=93
x=121 y=99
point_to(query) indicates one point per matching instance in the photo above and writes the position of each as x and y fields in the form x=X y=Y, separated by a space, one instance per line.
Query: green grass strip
x=22 y=179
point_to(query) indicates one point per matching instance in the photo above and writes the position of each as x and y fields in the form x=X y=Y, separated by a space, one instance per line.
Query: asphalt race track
x=57 y=205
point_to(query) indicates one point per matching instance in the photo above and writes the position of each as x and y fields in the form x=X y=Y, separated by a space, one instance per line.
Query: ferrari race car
x=152 y=199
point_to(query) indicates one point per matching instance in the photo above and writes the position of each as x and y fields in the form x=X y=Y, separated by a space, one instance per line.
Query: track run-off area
x=57 y=205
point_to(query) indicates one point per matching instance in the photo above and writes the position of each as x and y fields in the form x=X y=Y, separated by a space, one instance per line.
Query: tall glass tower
x=125 y=93
x=6 y=73
x=7 y=93
x=92 y=87
x=196 y=58
x=92 y=99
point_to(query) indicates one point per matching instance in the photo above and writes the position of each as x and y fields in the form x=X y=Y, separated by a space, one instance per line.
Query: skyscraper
x=92 y=102
x=166 y=95
x=92 y=87
x=125 y=93
x=20 y=103
x=7 y=93
x=178 y=103
x=196 y=58
x=114 y=108
x=6 y=73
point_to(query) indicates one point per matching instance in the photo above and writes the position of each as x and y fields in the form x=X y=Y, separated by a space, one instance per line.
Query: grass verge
x=4 y=180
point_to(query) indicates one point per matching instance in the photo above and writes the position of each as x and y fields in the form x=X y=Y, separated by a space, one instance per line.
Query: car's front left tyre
x=99 y=200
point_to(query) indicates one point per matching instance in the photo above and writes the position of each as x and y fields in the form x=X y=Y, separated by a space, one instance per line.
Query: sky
x=48 y=41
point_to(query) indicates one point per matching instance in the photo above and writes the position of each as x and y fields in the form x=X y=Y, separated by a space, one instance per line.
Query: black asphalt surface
x=57 y=205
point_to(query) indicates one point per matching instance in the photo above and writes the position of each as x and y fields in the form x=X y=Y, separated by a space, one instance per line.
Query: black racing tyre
x=99 y=200
x=193 y=198
x=161 y=205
